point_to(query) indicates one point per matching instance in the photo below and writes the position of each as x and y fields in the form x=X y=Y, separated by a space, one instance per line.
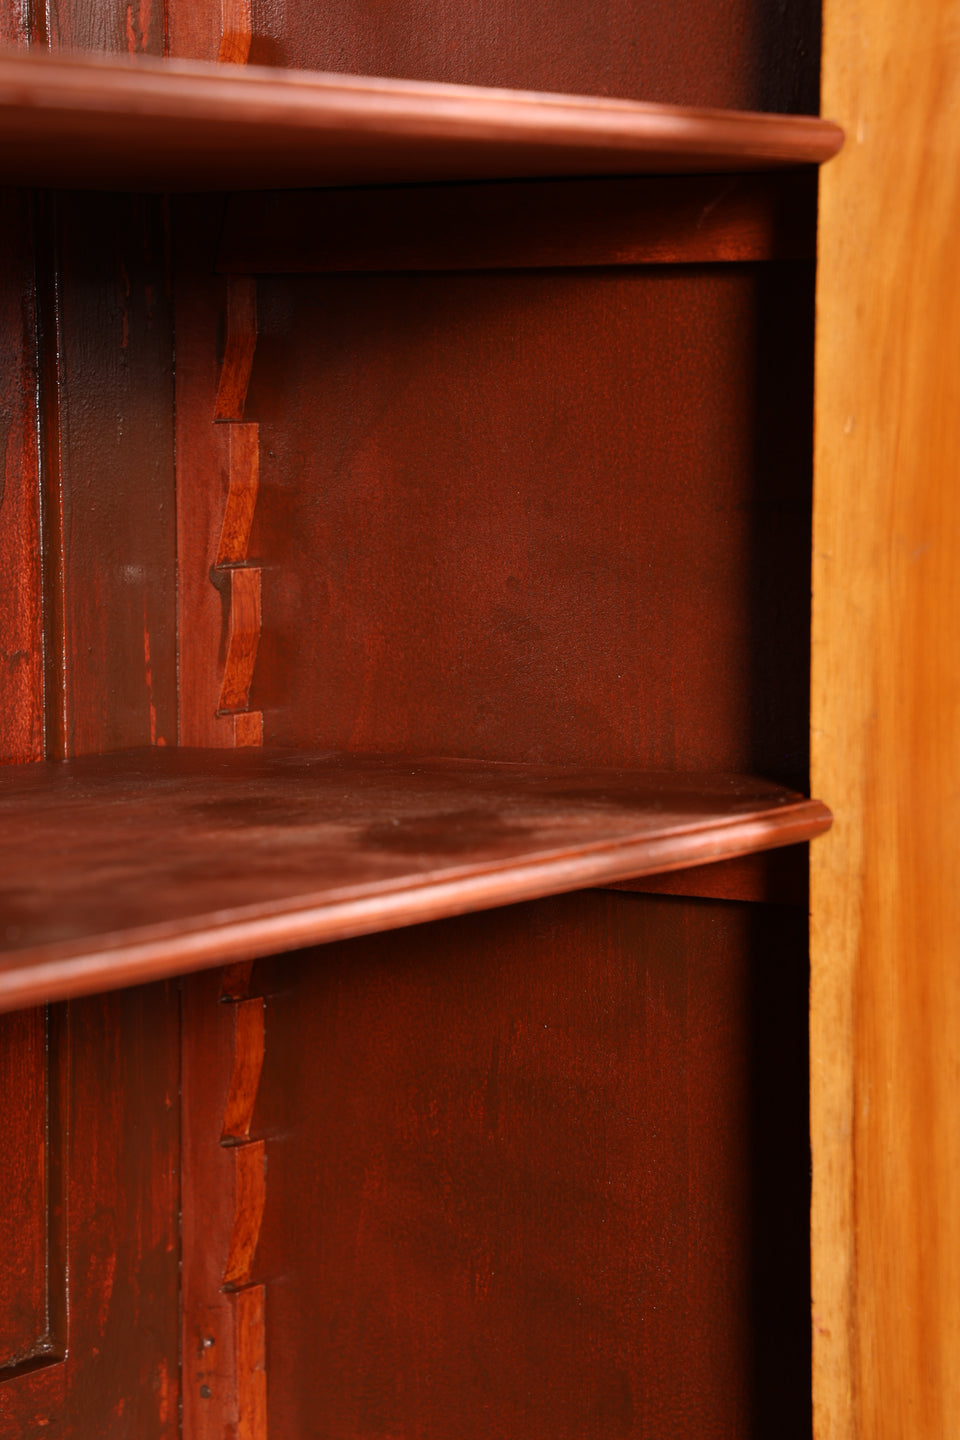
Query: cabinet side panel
x=21 y=625
x=526 y=1176
x=885 y=1018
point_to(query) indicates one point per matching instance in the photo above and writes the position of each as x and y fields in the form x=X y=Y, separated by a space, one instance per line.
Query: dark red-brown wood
x=663 y=1076
x=203 y=474
x=28 y=1261
x=547 y=1152
x=21 y=625
x=108 y=123
x=126 y=867
x=745 y=54
x=774 y=877
x=223 y=1191
x=112 y=1079
x=557 y=517
x=107 y=396
x=667 y=220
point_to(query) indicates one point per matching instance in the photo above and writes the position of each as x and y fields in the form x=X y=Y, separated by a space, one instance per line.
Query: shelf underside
x=123 y=868
x=106 y=122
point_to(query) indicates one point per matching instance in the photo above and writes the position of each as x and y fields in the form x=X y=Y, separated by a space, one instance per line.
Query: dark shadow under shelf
x=124 y=868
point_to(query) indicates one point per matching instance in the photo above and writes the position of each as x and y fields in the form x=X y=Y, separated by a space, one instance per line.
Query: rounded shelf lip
x=137 y=865
x=191 y=124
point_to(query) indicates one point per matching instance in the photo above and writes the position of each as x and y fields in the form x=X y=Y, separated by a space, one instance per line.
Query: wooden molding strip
x=248 y=1062
x=251 y=1363
x=241 y=342
x=249 y=1197
x=248 y=1217
x=243 y=458
x=243 y=641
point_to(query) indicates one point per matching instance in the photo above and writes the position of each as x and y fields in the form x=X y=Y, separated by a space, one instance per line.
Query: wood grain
x=162 y=861
x=237 y=30
x=667 y=220
x=103 y=122
x=885 y=1002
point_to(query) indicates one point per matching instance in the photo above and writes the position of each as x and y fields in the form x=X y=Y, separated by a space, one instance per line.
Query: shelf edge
x=60 y=972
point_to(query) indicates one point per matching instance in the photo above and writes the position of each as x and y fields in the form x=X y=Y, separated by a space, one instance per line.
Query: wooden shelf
x=103 y=122
x=122 y=868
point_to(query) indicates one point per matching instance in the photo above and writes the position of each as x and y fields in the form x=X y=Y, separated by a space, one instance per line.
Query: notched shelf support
x=232 y=568
x=236 y=19
x=249 y=1190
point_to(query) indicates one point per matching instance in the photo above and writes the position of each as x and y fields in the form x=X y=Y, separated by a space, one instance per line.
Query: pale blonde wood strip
x=885 y=990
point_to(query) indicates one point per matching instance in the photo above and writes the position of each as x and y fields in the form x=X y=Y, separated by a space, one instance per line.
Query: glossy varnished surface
x=188 y=125
x=885 y=982
x=124 y=867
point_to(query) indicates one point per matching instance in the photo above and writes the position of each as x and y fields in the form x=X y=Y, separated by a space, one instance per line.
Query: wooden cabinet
x=408 y=504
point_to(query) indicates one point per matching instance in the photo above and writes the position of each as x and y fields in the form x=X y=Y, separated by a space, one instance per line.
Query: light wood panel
x=885 y=1020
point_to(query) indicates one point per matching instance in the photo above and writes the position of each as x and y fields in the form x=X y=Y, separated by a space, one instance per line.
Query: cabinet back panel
x=557 y=517
x=540 y=1172
x=746 y=54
